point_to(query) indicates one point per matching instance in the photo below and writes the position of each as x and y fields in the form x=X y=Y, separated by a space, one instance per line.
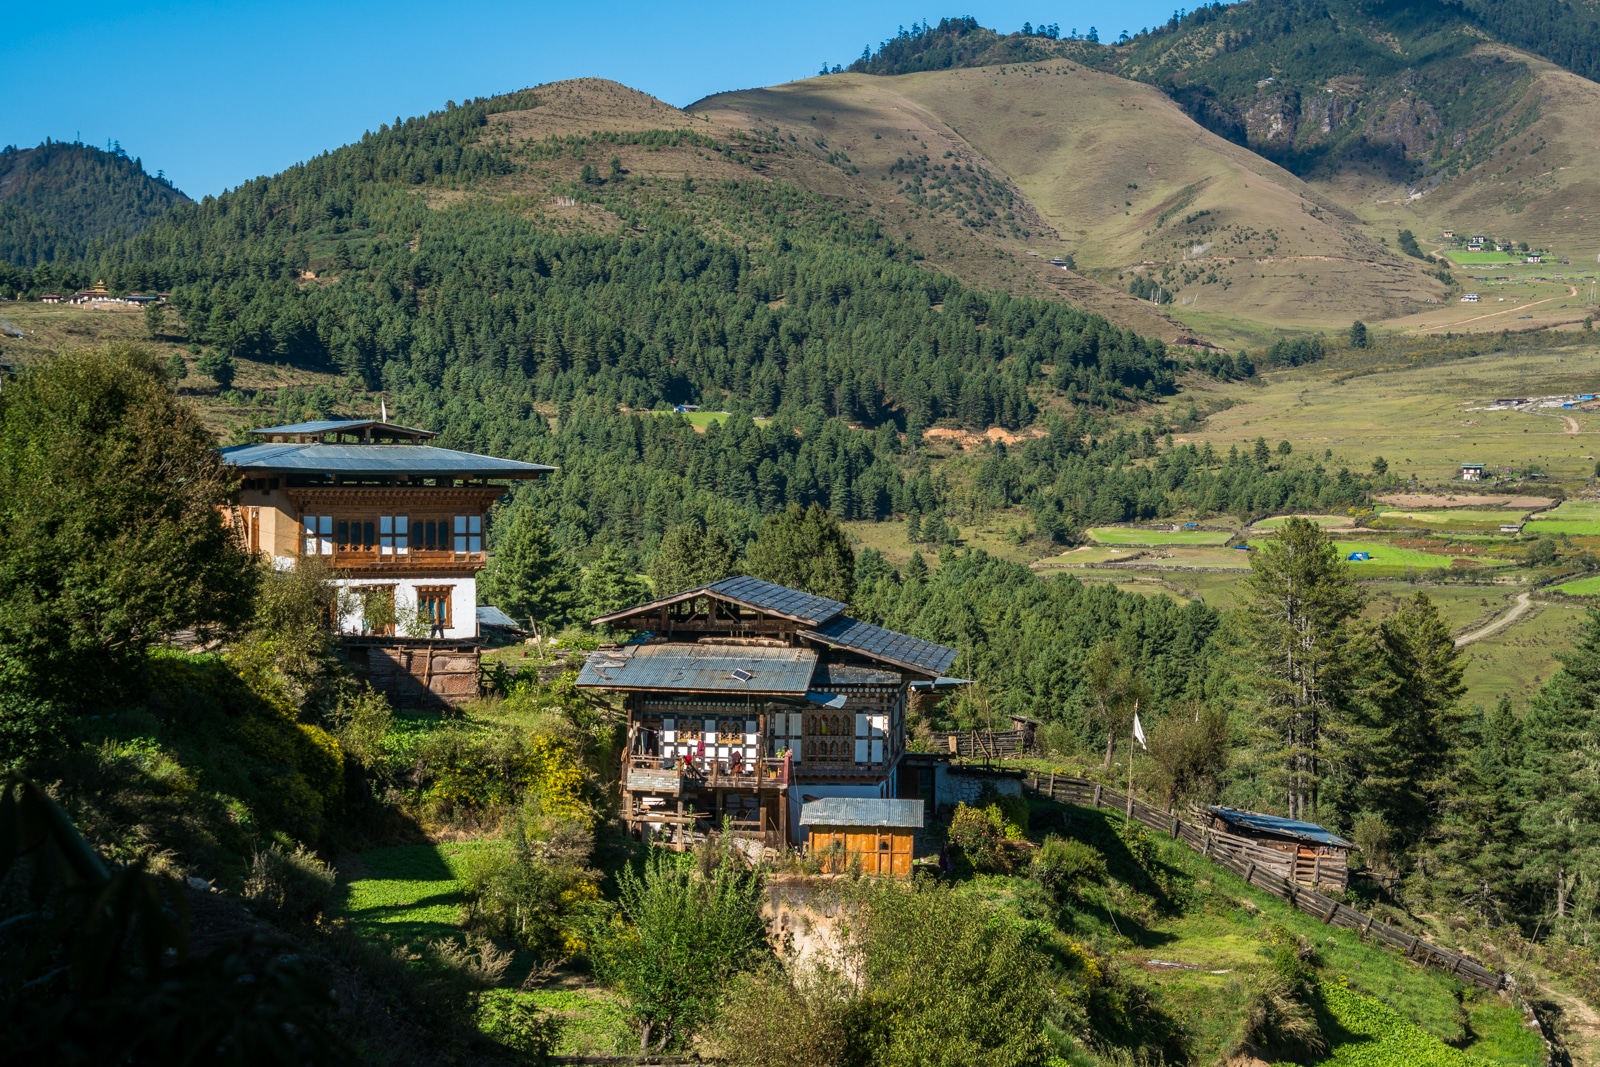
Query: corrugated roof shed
x=862 y=811
x=900 y=649
x=1279 y=827
x=785 y=671
x=493 y=616
x=423 y=460
x=850 y=674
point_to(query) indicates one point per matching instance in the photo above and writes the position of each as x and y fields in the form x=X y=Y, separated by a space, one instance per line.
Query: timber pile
x=1267 y=870
x=988 y=744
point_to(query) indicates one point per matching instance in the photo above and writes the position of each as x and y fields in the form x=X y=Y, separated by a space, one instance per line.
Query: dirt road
x=1519 y=609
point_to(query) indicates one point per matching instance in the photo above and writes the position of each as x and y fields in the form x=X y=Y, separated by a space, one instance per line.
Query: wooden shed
x=1309 y=854
x=876 y=836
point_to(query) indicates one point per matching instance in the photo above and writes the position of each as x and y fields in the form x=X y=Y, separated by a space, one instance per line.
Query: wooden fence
x=1262 y=868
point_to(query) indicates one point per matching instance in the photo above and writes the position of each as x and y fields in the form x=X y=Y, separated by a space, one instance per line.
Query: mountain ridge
x=60 y=197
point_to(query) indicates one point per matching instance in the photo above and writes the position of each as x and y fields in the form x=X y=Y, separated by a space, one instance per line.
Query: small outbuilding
x=1472 y=472
x=1311 y=854
x=873 y=835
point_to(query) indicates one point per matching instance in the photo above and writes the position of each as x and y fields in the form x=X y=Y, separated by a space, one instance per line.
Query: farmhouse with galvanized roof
x=388 y=513
x=749 y=701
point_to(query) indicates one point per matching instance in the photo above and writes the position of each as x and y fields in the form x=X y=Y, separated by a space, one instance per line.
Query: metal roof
x=686 y=667
x=862 y=811
x=902 y=650
x=493 y=616
x=345 y=426
x=752 y=593
x=1279 y=827
x=422 y=460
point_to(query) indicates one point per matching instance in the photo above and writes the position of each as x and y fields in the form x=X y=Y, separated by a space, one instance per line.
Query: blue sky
x=217 y=93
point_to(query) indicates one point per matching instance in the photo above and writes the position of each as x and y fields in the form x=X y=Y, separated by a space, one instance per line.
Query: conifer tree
x=527 y=577
x=690 y=556
x=610 y=584
x=1302 y=602
x=804 y=550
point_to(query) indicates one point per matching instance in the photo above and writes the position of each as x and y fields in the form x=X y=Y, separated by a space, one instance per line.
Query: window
x=786 y=733
x=393 y=539
x=319 y=535
x=430 y=535
x=469 y=533
x=869 y=738
x=433 y=604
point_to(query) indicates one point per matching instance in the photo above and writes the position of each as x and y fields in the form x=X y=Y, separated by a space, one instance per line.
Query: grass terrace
x=1131 y=535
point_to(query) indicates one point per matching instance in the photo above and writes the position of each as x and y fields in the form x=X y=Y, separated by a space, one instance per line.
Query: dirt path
x=1572 y=424
x=1519 y=609
x=1494 y=314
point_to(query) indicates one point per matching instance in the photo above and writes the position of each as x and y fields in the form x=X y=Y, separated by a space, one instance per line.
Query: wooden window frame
x=443 y=594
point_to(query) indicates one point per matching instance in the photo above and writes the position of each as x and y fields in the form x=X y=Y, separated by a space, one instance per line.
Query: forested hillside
x=58 y=198
x=398 y=263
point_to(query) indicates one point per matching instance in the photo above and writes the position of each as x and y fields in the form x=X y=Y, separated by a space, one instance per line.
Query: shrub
x=676 y=940
x=292 y=885
x=507 y=1017
x=1064 y=866
x=792 y=1017
x=980 y=834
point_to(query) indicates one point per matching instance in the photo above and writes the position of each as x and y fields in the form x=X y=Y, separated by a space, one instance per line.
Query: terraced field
x=1131 y=535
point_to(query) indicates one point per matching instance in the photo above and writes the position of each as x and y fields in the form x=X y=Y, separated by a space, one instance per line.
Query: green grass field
x=1212 y=558
x=1128 y=535
x=1582 y=587
x=1482 y=259
x=1386 y=555
x=1090 y=556
x=411 y=893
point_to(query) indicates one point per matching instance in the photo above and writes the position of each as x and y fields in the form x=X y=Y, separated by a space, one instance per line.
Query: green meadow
x=1129 y=535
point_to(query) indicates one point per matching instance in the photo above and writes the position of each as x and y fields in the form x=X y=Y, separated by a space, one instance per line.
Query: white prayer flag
x=1138 y=731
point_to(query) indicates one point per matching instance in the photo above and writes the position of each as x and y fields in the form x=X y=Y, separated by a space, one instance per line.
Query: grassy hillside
x=1065 y=159
x=57 y=198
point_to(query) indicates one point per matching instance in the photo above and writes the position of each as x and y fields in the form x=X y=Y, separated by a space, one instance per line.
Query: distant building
x=385 y=511
x=95 y=294
x=1449 y=235
x=1472 y=472
x=1511 y=527
x=50 y=298
x=1536 y=258
x=1471 y=298
x=684 y=409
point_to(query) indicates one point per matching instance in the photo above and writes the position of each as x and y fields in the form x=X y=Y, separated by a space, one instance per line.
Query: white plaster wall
x=463 y=601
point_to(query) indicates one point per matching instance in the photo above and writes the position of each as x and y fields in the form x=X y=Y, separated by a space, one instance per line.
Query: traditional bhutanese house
x=745 y=699
x=400 y=525
x=1315 y=855
x=850 y=834
x=1472 y=472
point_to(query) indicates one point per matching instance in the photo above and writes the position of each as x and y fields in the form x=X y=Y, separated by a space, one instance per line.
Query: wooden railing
x=758 y=774
x=1260 y=867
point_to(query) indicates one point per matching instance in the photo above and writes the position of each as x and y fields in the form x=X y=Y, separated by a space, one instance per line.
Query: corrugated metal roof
x=423 y=460
x=752 y=593
x=913 y=653
x=701 y=668
x=1279 y=827
x=862 y=811
x=343 y=426
x=493 y=616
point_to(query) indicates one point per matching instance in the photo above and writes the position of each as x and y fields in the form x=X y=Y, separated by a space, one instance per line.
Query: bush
x=291 y=885
x=980 y=834
x=508 y=1018
x=792 y=1017
x=1064 y=866
x=675 y=942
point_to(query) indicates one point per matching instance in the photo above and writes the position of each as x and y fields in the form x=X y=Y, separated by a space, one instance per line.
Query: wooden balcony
x=372 y=561
x=655 y=774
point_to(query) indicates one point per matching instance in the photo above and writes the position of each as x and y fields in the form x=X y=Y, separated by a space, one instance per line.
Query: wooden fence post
x=1052 y=785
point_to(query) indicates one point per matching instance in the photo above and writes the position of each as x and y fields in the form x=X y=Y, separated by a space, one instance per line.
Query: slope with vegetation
x=58 y=198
